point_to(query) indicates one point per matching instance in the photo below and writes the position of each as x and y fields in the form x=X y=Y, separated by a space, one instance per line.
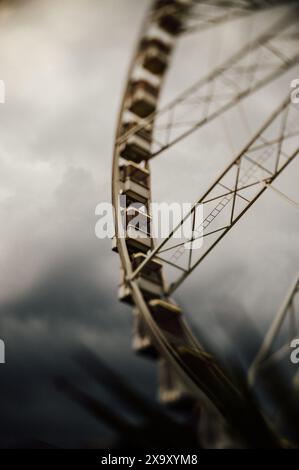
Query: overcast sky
x=64 y=63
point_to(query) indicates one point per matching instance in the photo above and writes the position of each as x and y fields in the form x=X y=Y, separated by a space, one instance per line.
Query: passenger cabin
x=135 y=182
x=143 y=98
x=150 y=280
x=170 y=22
x=167 y=317
x=154 y=55
x=172 y=391
x=138 y=234
x=125 y=294
x=142 y=343
x=137 y=145
x=171 y=13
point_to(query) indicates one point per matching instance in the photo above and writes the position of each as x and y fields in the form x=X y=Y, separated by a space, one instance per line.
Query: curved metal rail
x=163 y=326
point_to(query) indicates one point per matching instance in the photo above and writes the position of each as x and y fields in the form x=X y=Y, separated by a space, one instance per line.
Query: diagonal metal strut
x=248 y=176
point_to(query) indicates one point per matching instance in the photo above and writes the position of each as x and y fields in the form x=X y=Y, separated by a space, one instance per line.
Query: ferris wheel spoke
x=233 y=193
x=145 y=131
x=206 y=14
x=228 y=85
x=264 y=354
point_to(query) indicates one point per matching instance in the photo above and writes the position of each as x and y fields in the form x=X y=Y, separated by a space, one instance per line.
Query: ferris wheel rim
x=160 y=340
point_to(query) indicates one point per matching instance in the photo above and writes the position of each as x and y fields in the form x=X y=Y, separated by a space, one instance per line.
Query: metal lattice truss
x=160 y=330
x=253 y=67
x=287 y=312
x=205 y=14
x=232 y=194
x=202 y=14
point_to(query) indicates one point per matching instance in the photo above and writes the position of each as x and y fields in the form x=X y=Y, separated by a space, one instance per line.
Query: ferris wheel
x=153 y=268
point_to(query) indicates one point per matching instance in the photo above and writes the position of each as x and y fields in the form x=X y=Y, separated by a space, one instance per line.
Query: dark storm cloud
x=58 y=288
x=42 y=332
